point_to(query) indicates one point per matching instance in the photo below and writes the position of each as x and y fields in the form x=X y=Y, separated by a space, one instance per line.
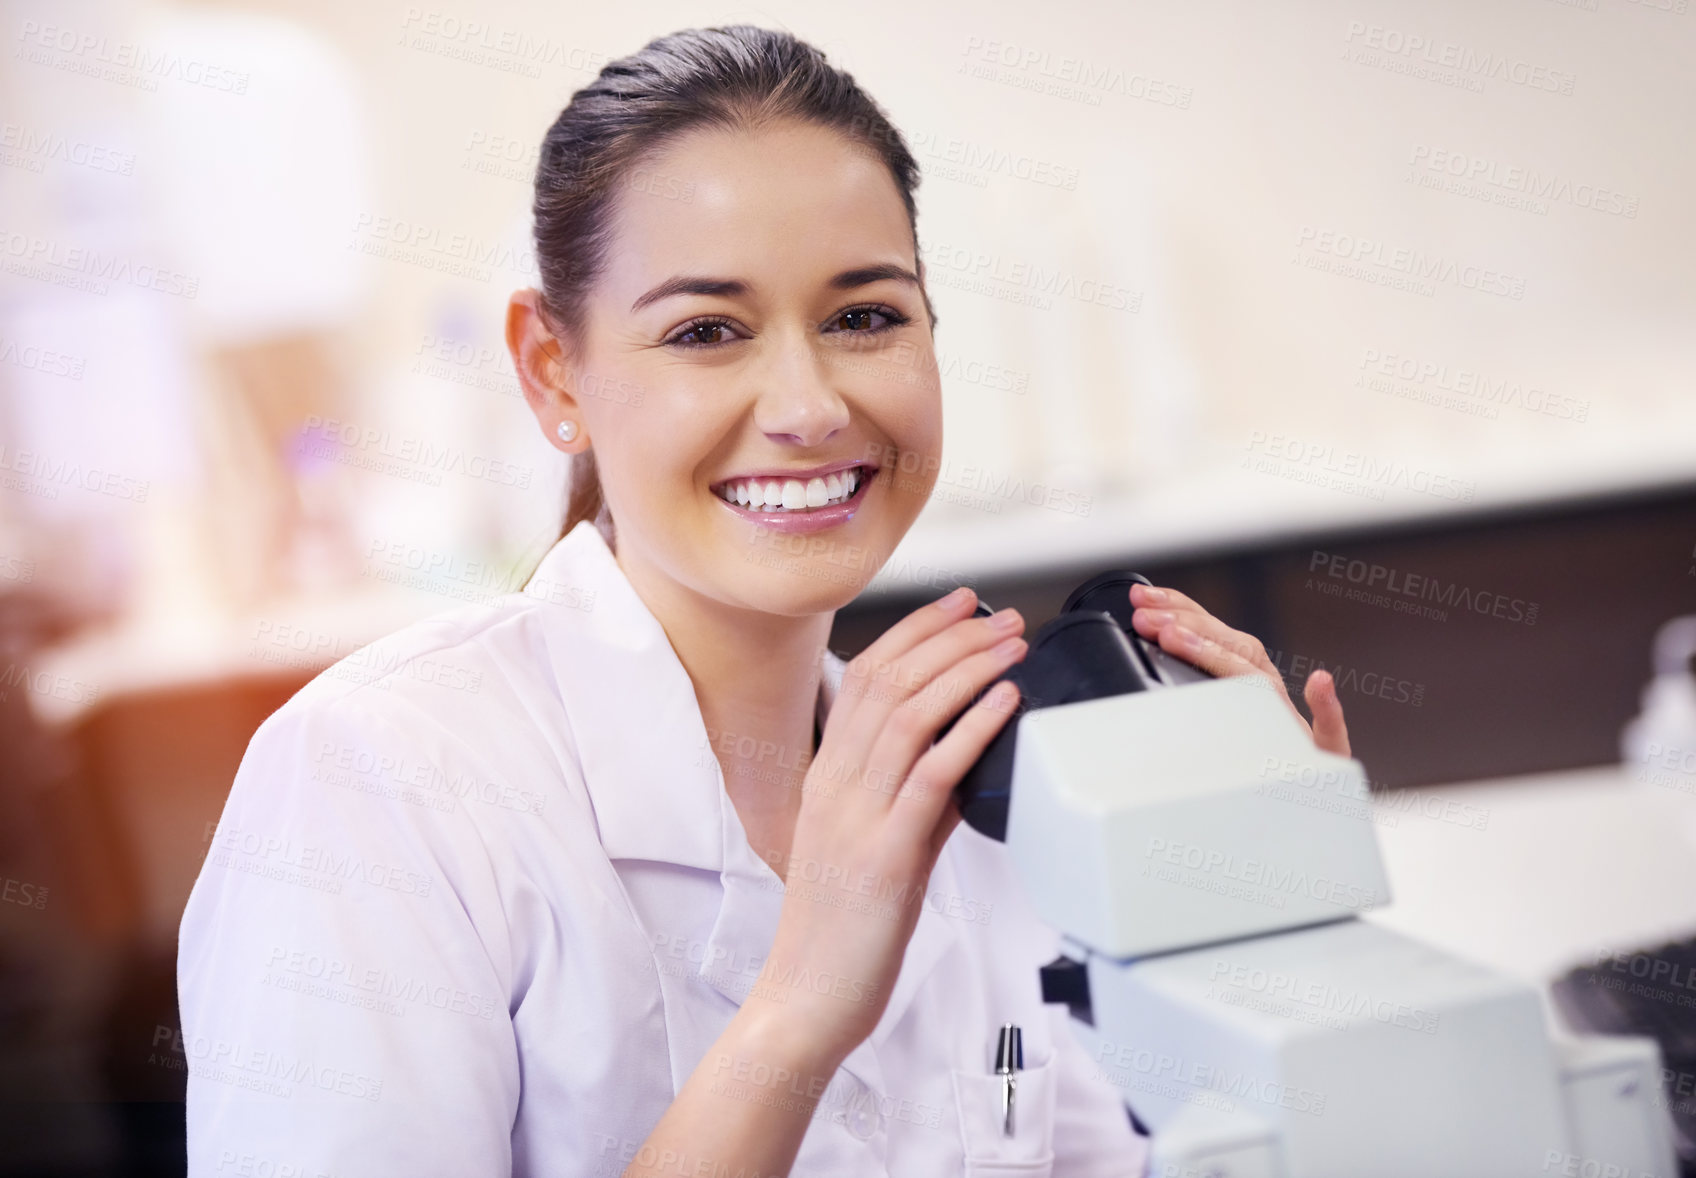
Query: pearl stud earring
x=567 y=430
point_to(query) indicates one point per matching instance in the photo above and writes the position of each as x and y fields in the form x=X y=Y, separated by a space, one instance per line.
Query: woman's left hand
x=1185 y=630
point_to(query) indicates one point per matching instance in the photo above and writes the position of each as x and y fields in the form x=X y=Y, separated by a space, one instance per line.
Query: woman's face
x=760 y=323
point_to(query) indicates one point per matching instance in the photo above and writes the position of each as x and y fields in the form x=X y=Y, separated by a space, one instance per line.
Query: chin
x=777 y=582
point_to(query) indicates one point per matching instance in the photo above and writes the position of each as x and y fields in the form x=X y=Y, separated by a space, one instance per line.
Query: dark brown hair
x=737 y=78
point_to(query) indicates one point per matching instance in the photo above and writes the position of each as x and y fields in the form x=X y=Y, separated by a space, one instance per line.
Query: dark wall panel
x=1497 y=644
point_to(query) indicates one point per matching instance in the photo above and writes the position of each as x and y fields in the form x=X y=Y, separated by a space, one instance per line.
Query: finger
x=947 y=761
x=1161 y=597
x=1216 y=660
x=912 y=727
x=879 y=659
x=1149 y=621
x=895 y=683
x=951 y=818
x=1329 y=731
x=1178 y=638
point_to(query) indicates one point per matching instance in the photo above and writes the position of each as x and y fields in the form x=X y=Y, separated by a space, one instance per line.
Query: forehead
x=785 y=206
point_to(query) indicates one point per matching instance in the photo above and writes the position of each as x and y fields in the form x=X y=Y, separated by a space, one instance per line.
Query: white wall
x=1212 y=157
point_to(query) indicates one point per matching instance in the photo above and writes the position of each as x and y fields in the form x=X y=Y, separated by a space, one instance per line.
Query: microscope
x=1208 y=869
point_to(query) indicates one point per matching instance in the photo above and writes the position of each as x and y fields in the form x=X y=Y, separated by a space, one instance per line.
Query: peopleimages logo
x=1463 y=63
x=1414 y=265
x=1126 y=1067
x=43 y=360
x=499 y=47
x=1257 y=873
x=29 y=148
x=1322 y=995
x=85 y=268
x=1429 y=165
x=948 y=261
x=417 y=459
x=127 y=63
x=374 y=979
x=46 y=685
x=45 y=474
x=1029 y=68
x=1421 y=588
x=1322 y=464
x=1418 y=378
x=320 y=868
x=435 y=248
x=907 y=468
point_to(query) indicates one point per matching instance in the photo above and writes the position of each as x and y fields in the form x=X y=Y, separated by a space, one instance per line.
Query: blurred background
x=1370 y=324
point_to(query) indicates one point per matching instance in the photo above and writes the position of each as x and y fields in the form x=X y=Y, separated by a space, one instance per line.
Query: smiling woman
x=734 y=310
x=736 y=82
x=687 y=894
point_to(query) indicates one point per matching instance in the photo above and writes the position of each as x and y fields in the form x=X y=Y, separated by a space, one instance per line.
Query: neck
x=756 y=677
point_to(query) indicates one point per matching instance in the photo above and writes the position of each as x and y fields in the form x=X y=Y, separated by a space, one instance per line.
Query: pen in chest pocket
x=1009 y=1058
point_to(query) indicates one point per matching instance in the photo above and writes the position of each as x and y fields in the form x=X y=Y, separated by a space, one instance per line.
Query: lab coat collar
x=634 y=718
x=636 y=682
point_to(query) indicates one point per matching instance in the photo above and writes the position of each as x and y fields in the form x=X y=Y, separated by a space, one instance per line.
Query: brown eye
x=871 y=320
x=695 y=334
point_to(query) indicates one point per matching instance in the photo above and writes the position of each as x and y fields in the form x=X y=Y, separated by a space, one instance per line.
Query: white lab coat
x=478 y=904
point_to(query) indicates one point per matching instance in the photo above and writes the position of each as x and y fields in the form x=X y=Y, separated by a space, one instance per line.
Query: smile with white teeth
x=777 y=495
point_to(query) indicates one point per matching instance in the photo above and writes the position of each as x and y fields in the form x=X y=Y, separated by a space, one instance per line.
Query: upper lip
x=811 y=472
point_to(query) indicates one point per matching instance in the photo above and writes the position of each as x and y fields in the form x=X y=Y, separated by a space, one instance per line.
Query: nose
x=798 y=401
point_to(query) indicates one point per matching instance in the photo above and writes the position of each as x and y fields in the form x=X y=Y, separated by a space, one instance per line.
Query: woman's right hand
x=877 y=806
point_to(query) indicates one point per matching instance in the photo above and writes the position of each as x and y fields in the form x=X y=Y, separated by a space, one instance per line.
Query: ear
x=539 y=359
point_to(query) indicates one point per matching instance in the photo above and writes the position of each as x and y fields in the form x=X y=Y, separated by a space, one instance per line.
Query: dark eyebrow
x=866 y=275
x=732 y=287
x=685 y=285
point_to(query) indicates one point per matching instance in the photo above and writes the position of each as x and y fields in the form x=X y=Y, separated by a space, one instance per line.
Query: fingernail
x=1158 y=617
x=956 y=598
x=1007 y=619
x=1187 y=638
x=1008 y=647
x=1150 y=594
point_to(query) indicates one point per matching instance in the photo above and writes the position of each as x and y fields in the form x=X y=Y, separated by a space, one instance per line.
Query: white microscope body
x=1209 y=867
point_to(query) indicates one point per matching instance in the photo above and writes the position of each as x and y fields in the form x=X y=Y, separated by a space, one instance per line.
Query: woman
x=629 y=873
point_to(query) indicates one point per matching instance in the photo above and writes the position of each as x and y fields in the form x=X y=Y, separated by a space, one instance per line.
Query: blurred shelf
x=285 y=638
x=1222 y=508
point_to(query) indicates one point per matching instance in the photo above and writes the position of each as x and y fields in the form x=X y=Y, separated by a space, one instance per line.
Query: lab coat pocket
x=1029 y=1151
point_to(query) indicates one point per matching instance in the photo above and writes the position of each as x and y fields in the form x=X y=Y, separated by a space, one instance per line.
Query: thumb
x=1329 y=731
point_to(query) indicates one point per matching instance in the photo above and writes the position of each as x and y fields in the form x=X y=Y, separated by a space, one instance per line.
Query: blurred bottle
x=1660 y=742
